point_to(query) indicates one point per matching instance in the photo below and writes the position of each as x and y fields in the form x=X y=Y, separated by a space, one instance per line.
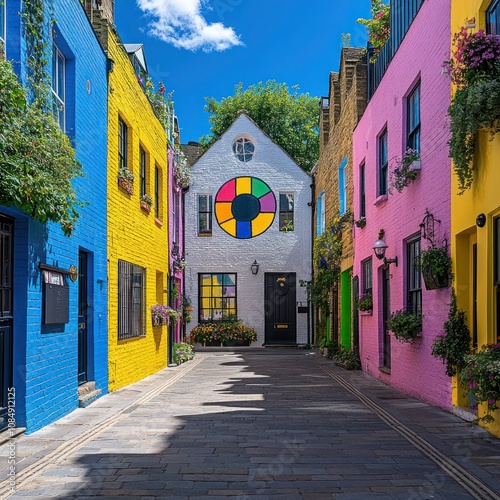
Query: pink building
x=409 y=97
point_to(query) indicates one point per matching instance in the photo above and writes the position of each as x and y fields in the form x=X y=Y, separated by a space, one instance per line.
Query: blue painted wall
x=46 y=358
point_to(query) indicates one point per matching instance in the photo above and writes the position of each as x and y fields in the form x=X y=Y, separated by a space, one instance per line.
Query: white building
x=249 y=204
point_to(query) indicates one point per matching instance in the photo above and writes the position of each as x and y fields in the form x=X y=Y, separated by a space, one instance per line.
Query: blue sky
x=203 y=48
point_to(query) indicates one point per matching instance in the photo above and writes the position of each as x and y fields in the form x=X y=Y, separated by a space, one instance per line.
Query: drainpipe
x=171 y=324
x=312 y=204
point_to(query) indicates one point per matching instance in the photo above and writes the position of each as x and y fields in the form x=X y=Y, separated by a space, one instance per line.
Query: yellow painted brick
x=133 y=235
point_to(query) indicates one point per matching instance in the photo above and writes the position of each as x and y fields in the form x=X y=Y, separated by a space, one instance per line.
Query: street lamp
x=379 y=248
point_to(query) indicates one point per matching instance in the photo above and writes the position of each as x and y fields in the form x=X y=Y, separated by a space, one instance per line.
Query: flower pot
x=213 y=343
x=434 y=281
x=415 y=165
x=366 y=313
x=158 y=321
x=236 y=343
x=146 y=206
x=126 y=185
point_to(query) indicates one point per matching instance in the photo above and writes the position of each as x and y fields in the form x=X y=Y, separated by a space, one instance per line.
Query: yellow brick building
x=476 y=218
x=137 y=232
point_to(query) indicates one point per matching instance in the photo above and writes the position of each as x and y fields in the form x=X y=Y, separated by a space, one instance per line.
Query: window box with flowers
x=475 y=70
x=161 y=314
x=146 y=202
x=126 y=180
x=361 y=222
x=405 y=325
x=405 y=171
x=365 y=304
x=481 y=376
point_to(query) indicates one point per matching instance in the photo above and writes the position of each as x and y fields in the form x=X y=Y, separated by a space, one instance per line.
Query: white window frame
x=343 y=186
x=59 y=95
x=3 y=22
x=321 y=221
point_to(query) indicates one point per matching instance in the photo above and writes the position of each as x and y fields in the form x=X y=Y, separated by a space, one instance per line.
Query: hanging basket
x=434 y=281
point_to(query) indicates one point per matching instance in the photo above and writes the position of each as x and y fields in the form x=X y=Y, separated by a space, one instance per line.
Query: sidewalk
x=261 y=423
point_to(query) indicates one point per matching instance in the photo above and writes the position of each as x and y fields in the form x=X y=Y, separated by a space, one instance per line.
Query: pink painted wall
x=420 y=56
x=177 y=274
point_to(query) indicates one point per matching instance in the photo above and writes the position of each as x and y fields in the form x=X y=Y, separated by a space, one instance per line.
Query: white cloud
x=180 y=23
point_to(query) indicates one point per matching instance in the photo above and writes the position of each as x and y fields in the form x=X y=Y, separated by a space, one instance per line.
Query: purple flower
x=473 y=407
x=491 y=401
x=491 y=377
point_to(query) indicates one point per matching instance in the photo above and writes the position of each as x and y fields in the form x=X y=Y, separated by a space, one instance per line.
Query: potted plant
x=378 y=27
x=182 y=170
x=475 y=70
x=365 y=303
x=146 y=202
x=405 y=171
x=481 y=376
x=435 y=266
x=160 y=314
x=361 y=222
x=126 y=180
x=454 y=345
x=182 y=352
x=406 y=325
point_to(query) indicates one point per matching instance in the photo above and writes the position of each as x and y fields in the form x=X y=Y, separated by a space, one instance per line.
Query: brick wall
x=276 y=251
x=133 y=234
x=46 y=356
x=420 y=56
x=347 y=98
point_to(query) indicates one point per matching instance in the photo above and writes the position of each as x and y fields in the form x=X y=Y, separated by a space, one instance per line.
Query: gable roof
x=245 y=115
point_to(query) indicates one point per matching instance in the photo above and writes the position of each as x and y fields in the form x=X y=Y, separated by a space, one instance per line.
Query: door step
x=87 y=393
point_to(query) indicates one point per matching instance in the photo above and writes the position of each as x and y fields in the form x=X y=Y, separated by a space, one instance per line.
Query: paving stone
x=253 y=424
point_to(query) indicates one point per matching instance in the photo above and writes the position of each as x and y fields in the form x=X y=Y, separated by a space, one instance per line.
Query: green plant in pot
x=436 y=267
x=454 y=344
x=406 y=325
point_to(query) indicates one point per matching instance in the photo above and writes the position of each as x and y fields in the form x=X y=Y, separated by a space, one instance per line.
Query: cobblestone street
x=253 y=423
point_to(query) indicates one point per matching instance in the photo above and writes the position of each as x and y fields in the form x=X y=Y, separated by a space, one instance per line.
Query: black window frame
x=209 y=212
x=225 y=299
x=496 y=271
x=367 y=276
x=383 y=164
x=413 y=118
x=142 y=170
x=413 y=275
x=131 y=320
x=362 y=190
x=122 y=144
x=493 y=18
x=286 y=217
x=157 y=191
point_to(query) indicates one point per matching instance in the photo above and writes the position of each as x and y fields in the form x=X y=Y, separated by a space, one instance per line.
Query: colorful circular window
x=245 y=207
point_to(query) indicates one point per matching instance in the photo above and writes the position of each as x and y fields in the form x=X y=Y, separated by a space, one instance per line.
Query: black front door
x=280 y=308
x=386 y=314
x=6 y=315
x=82 y=317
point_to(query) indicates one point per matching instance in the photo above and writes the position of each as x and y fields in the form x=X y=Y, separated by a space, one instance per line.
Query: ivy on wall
x=37 y=160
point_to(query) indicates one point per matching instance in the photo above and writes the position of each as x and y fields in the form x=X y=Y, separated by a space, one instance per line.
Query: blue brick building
x=51 y=360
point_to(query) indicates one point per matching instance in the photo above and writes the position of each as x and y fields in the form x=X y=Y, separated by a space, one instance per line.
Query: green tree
x=37 y=161
x=290 y=119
